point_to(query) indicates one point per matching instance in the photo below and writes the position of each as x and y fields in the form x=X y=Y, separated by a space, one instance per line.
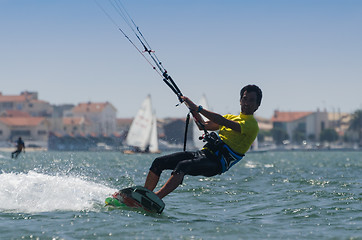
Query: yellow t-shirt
x=240 y=142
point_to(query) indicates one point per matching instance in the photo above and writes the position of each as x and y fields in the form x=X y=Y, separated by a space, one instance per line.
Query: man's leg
x=162 y=163
x=16 y=153
x=151 y=181
x=199 y=164
x=172 y=183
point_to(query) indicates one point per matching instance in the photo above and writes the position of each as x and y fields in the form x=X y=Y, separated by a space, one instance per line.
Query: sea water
x=271 y=195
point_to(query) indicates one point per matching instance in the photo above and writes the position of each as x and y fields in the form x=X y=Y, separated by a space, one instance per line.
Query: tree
x=329 y=135
x=356 y=124
x=311 y=137
x=298 y=136
x=262 y=134
x=279 y=135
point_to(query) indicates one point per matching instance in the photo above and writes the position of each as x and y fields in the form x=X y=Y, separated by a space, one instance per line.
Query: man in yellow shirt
x=222 y=151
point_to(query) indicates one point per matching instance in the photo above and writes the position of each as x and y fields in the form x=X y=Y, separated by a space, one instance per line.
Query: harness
x=223 y=152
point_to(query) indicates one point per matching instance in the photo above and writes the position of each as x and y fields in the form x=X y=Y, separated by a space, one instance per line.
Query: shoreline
x=12 y=149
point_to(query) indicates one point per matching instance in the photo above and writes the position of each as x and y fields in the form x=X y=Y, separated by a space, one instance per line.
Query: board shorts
x=195 y=163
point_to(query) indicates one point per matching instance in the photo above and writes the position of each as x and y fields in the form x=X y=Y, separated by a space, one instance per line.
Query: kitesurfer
x=236 y=135
x=20 y=146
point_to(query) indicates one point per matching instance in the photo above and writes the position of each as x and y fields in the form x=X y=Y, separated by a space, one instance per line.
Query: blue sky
x=304 y=55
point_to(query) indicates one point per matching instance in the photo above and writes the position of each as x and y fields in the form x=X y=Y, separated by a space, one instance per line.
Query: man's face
x=248 y=103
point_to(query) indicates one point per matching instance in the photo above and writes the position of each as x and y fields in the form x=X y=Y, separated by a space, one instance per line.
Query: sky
x=305 y=55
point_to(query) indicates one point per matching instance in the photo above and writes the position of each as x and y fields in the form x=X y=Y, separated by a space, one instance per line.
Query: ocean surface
x=270 y=195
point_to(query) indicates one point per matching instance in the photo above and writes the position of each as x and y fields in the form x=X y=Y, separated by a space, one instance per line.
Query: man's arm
x=216 y=119
x=220 y=120
x=204 y=125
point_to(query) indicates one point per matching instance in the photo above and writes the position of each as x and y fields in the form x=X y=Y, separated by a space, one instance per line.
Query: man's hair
x=252 y=88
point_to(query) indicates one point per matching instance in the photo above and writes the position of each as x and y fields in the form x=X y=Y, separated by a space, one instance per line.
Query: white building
x=101 y=116
x=311 y=124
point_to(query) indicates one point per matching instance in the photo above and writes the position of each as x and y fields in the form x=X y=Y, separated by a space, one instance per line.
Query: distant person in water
x=20 y=146
x=235 y=135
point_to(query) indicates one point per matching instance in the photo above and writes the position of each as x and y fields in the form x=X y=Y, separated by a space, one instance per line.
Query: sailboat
x=198 y=144
x=142 y=135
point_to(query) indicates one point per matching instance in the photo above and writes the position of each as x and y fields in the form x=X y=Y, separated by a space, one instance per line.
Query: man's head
x=250 y=99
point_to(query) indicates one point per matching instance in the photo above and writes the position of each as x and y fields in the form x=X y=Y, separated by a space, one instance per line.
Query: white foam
x=37 y=192
x=250 y=164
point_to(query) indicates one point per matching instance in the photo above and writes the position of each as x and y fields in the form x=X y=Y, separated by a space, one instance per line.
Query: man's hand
x=190 y=104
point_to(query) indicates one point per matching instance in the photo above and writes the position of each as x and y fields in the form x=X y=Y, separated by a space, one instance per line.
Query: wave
x=37 y=192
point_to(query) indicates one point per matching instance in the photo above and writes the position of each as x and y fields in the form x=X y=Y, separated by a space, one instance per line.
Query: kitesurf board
x=136 y=197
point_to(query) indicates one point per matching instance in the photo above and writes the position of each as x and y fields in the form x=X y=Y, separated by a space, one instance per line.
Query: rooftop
x=21 y=121
x=288 y=116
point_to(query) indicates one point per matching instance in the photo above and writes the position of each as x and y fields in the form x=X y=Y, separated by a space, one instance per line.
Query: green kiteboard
x=111 y=201
x=136 y=197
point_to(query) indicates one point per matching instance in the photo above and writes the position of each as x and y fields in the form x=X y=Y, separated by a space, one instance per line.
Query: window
x=302 y=127
x=42 y=132
x=23 y=133
x=19 y=106
x=322 y=126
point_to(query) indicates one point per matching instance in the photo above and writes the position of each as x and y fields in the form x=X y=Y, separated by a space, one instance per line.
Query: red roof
x=15 y=113
x=13 y=98
x=288 y=116
x=22 y=121
x=91 y=107
x=22 y=98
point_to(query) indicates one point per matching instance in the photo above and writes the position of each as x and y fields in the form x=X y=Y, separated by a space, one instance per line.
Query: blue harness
x=224 y=153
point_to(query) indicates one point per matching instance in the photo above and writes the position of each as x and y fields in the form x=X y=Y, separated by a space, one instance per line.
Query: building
x=24 y=116
x=76 y=126
x=307 y=125
x=26 y=102
x=32 y=119
x=123 y=124
x=174 y=131
x=28 y=128
x=101 y=116
x=340 y=122
x=264 y=123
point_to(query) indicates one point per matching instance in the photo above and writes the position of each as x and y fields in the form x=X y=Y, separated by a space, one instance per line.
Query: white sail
x=139 y=134
x=196 y=132
x=153 y=143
